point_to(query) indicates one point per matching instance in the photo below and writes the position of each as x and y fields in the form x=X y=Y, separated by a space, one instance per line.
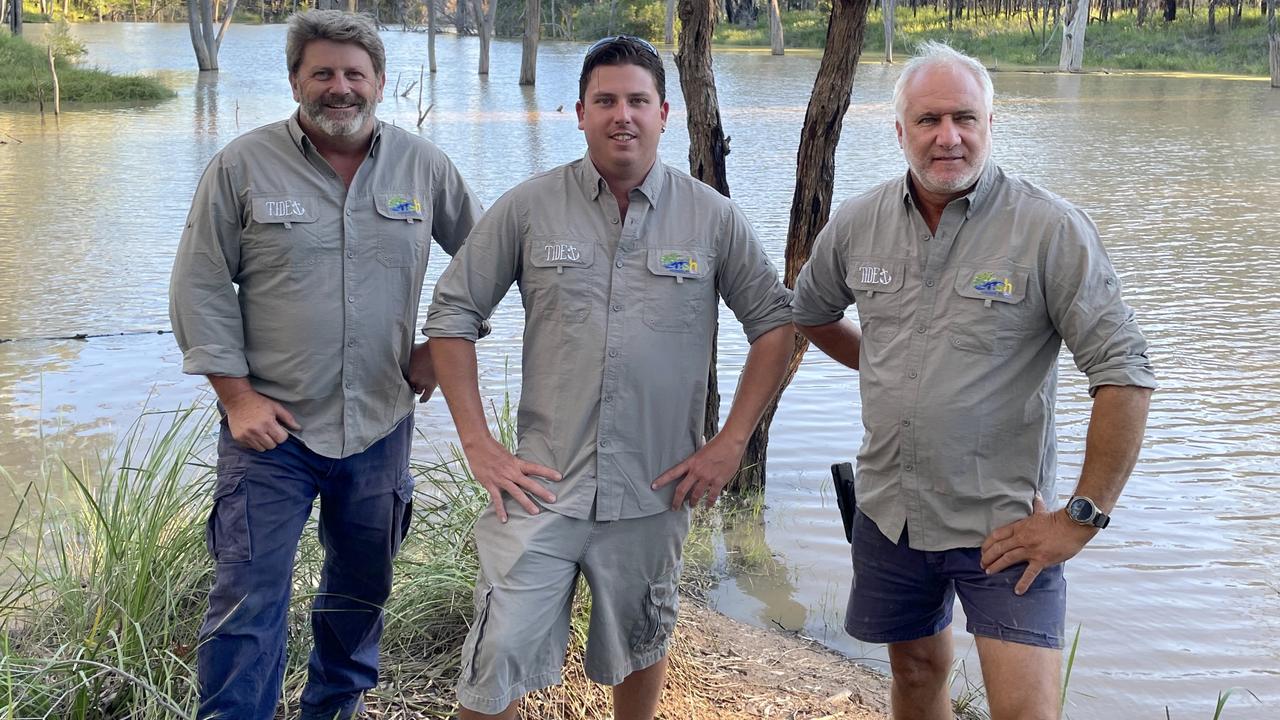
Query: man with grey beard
x=295 y=290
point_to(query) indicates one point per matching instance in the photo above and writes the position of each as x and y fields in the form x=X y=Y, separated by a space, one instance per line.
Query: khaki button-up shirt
x=308 y=288
x=620 y=316
x=961 y=333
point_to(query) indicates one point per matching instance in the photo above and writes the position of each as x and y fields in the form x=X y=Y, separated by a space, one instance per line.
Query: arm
x=707 y=470
x=1116 y=428
x=491 y=464
x=840 y=340
x=253 y=418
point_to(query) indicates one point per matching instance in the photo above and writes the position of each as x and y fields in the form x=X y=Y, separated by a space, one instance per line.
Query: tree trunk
x=1213 y=17
x=1273 y=43
x=532 y=33
x=205 y=42
x=483 y=26
x=431 y=34
x=707 y=144
x=15 y=18
x=1170 y=10
x=741 y=12
x=1143 y=6
x=815 y=177
x=669 y=31
x=889 y=6
x=776 y=42
x=1072 y=57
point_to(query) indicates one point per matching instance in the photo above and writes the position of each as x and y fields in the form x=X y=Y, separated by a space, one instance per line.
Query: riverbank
x=25 y=78
x=107 y=588
x=1023 y=40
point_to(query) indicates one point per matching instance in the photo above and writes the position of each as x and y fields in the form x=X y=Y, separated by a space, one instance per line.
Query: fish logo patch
x=403 y=206
x=679 y=263
x=992 y=285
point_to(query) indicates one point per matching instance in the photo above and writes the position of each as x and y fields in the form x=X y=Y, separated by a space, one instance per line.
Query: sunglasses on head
x=630 y=40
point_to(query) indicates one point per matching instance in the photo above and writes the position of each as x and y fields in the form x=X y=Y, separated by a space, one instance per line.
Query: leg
x=636 y=698
x=1019 y=638
x=920 y=672
x=633 y=568
x=523 y=597
x=1022 y=680
x=364 y=509
x=898 y=597
x=261 y=503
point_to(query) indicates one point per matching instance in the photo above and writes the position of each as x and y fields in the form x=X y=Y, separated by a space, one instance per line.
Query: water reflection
x=1177 y=601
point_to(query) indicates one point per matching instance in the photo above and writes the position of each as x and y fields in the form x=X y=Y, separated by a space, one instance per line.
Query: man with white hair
x=967 y=281
x=295 y=291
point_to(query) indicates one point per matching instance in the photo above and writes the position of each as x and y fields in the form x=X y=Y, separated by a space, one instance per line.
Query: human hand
x=257 y=421
x=495 y=468
x=1040 y=540
x=422 y=372
x=703 y=474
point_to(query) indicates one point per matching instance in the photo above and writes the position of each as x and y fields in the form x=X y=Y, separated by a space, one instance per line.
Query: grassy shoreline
x=25 y=78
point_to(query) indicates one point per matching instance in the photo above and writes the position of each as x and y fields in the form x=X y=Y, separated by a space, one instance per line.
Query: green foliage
x=625 y=17
x=25 y=77
x=64 y=44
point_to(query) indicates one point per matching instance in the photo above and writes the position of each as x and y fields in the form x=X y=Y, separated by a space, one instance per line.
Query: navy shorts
x=900 y=594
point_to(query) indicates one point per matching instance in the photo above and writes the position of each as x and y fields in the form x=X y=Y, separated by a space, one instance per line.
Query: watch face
x=1080 y=510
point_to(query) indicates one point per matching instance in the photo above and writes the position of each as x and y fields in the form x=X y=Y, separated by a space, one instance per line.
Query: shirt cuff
x=214 y=360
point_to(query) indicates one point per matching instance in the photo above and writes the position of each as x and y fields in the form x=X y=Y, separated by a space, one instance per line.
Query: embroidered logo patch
x=675 y=262
x=562 y=252
x=284 y=208
x=992 y=285
x=872 y=275
x=400 y=205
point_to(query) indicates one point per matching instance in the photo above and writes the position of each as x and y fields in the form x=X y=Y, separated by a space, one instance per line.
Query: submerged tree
x=200 y=20
x=1073 y=25
x=1273 y=44
x=532 y=33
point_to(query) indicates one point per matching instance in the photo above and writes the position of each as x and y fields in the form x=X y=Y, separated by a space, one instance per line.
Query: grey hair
x=337 y=26
x=932 y=53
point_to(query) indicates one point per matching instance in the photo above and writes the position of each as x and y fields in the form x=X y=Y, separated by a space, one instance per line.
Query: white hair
x=932 y=53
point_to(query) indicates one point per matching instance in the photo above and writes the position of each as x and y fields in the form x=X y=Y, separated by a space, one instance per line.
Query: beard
x=950 y=184
x=317 y=112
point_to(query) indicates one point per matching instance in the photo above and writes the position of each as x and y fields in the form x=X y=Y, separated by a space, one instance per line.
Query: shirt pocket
x=403 y=228
x=876 y=284
x=558 y=278
x=283 y=231
x=679 y=288
x=990 y=308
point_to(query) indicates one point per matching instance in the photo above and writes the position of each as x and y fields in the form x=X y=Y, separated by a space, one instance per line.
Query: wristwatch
x=1084 y=511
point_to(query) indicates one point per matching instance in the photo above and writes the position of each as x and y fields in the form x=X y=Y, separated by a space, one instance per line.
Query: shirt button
x=351 y=298
x=920 y=329
x=615 y=222
x=608 y=398
x=929 y=283
x=908 y=468
x=955 y=341
x=618 y=264
x=911 y=374
x=906 y=423
x=350 y=254
x=348 y=212
x=924 y=238
x=351 y=343
x=604 y=443
x=616 y=308
x=613 y=353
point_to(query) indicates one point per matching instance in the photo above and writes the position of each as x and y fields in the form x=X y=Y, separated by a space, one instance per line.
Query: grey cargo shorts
x=528 y=572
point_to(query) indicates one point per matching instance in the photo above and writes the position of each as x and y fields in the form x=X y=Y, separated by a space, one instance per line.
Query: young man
x=295 y=290
x=967 y=282
x=620 y=261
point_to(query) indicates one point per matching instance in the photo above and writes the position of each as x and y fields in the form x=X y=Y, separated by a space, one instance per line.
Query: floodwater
x=1176 y=602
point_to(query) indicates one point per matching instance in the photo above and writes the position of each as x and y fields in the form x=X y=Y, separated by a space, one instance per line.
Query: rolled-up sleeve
x=203 y=306
x=1084 y=301
x=479 y=276
x=456 y=209
x=748 y=281
x=821 y=294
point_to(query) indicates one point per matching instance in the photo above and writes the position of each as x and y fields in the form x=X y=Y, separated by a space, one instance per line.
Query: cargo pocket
x=226 y=533
x=403 y=511
x=471 y=649
x=660 y=607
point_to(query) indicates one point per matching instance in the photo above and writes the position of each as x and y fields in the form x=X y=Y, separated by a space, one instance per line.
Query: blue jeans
x=261 y=504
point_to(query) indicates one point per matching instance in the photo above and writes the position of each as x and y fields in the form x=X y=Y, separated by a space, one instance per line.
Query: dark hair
x=337 y=26
x=623 y=50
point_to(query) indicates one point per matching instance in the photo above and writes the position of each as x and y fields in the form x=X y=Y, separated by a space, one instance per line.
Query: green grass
x=25 y=78
x=1183 y=45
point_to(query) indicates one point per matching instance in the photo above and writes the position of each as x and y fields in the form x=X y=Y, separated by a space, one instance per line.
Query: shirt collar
x=593 y=184
x=974 y=198
x=305 y=146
